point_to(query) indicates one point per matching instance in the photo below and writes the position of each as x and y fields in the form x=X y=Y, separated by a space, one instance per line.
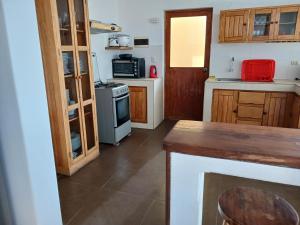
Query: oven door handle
x=118 y=99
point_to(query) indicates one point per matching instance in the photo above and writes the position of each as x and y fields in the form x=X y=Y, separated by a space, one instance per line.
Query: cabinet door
x=295 y=114
x=234 y=26
x=277 y=109
x=262 y=25
x=287 y=23
x=138 y=104
x=224 y=108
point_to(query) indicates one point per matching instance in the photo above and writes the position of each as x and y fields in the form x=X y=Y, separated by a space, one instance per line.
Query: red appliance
x=258 y=70
x=153 y=71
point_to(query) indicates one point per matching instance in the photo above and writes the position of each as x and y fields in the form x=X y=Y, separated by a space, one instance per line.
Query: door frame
x=167 y=42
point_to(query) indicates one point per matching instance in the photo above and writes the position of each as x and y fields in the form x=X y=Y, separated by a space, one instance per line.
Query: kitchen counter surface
x=277 y=85
x=264 y=145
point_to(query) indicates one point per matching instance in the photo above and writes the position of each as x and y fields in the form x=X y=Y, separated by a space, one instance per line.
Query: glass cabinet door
x=70 y=78
x=89 y=121
x=288 y=23
x=64 y=19
x=75 y=134
x=85 y=77
x=81 y=25
x=262 y=24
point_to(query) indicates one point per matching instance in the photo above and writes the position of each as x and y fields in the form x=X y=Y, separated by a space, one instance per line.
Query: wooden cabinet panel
x=233 y=26
x=254 y=112
x=277 y=109
x=252 y=97
x=295 y=114
x=138 y=104
x=249 y=122
x=224 y=106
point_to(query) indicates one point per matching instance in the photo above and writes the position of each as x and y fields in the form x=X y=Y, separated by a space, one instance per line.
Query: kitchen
x=132 y=168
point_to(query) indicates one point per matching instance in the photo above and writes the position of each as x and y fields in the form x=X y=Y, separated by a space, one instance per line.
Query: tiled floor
x=124 y=186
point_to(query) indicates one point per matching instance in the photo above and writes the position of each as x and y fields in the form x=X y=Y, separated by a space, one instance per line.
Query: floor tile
x=125 y=185
x=112 y=208
x=156 y=214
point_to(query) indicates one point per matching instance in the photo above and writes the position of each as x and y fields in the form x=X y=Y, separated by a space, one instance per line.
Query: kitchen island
x=253 y=152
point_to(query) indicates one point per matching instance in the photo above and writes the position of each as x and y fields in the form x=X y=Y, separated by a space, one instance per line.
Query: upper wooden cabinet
x=260 y=24
x=234 y=25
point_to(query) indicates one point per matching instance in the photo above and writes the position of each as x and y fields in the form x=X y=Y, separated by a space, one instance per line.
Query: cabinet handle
x=235 y=111
x=265 y=113
x=244 y=24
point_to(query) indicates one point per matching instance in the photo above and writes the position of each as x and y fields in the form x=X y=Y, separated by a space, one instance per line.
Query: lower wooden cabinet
x=225 y=106
x=295 y=113
x=138 y=104
x=274 y=109
x=278 y=108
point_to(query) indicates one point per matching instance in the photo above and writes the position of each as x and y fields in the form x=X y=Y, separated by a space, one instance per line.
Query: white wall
x=134 y=15
x=187 y=181
x=26 y=153
x=105 y=11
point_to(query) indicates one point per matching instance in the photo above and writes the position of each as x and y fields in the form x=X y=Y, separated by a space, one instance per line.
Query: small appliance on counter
x=153 y=71
x=113 y=112
x=127 y=66
x=259 y=70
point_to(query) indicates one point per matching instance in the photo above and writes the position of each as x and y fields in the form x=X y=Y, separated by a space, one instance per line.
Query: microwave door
x=123 y=69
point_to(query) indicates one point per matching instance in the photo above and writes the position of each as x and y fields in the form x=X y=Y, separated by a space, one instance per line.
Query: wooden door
x=287 y=24
x=234 y=26
x=262 y=24
x=138 y=104
x=187 y=50
x=224 y=108
x=277 y=109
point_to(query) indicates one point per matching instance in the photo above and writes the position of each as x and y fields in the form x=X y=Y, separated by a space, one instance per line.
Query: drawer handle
x=265 y=113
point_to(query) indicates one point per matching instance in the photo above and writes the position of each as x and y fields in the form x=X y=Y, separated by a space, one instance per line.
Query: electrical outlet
x=294 y=62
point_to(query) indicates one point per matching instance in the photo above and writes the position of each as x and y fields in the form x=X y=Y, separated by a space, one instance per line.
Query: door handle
x=204 y=69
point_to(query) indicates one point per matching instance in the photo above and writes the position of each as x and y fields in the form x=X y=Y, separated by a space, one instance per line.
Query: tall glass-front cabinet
x=65 y=44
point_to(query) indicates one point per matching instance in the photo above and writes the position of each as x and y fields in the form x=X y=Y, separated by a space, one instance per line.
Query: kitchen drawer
x=254 y=112
x=249 y=122
x=246 y=97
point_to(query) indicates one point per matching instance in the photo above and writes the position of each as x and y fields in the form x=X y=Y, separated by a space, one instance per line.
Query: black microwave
x=129 y=68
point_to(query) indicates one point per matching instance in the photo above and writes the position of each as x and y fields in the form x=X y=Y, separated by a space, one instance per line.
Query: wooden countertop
x=265 y=145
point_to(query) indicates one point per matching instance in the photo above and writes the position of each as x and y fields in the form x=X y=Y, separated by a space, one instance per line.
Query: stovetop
x=108 y=85
x=117 y=89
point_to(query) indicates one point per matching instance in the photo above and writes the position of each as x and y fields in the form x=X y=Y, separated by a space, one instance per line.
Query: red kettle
x=153 y=71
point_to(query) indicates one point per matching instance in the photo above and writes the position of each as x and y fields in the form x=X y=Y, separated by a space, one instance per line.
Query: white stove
x=113 y=110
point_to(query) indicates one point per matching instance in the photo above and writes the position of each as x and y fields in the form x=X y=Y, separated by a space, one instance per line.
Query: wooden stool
x=249 y=206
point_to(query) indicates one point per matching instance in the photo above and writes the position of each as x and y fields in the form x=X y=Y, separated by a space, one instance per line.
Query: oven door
x=121 y=110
